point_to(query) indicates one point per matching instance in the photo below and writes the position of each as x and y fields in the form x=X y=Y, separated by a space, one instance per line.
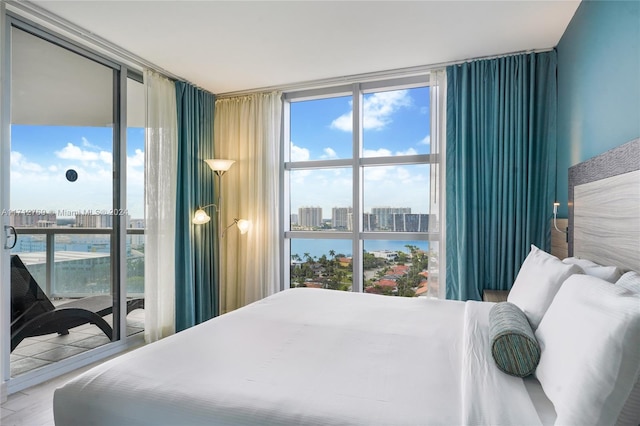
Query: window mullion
x=285 y=198
x=119 y=235
x=357 y=272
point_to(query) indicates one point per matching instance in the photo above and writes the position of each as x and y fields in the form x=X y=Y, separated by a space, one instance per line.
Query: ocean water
x=316 y=248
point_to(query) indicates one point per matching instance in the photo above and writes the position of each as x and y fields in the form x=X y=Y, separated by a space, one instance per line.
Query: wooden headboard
x=604 y=207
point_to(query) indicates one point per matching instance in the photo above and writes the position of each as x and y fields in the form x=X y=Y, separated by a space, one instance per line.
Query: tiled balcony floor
x=36 y=352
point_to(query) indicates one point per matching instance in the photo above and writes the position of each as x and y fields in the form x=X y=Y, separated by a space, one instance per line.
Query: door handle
x=10 y=231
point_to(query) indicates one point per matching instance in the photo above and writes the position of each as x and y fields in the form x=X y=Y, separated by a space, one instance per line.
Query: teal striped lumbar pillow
x=513 y=345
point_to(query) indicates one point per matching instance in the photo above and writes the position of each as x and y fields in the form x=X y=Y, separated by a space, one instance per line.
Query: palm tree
x=332 y=262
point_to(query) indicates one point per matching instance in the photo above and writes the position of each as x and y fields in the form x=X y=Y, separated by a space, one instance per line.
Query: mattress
x=314 y=357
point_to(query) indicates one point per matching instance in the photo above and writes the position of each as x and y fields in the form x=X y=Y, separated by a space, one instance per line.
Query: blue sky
x=41 y=155
x=395 y=123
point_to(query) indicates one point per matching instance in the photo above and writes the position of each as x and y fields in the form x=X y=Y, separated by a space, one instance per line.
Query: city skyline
x=334 y=208
x=394 y=219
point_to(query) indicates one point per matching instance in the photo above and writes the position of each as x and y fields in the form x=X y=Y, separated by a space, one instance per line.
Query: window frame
x=358 y=163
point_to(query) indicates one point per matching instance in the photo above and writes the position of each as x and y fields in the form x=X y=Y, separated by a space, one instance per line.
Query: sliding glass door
x=70 y=249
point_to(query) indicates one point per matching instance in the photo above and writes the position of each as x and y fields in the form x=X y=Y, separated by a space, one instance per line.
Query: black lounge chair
x=33 y=314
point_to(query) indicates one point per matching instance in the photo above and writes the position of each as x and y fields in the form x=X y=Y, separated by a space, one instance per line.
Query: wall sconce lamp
x=555 y=217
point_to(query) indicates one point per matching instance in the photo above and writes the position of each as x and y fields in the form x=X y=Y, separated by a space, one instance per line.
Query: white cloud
x=135 y=184
x=73 y=152
x=329 y=153
x=344 y=122
x=298 y=153
x=424 y=110
x=409 y=151
x=87 y=144
x=137 y=159
x=106 y=157
x=19 y=163
x=377 y=174
x=324 y=187
x=377 y=111
x=379 y=107
x=425 y=141
x=383 y=152
x=403 y=175
x=44 y=186
x=399 y=186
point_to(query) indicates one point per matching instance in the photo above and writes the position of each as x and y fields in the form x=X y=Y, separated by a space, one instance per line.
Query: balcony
x=72 y=263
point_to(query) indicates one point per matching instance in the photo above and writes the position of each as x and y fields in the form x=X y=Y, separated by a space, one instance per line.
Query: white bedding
x=309 y=356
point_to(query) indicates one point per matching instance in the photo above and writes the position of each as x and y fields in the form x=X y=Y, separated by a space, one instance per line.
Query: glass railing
x=76 y=262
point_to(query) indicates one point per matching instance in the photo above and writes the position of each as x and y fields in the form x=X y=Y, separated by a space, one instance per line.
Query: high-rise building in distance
x=96 y=221
x=340 y=217
x=310 y=217
x=384 y=216
x=35 y=220
x=410 y=222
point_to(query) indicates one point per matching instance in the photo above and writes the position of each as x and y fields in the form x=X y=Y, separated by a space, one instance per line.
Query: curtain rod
x=377 y=75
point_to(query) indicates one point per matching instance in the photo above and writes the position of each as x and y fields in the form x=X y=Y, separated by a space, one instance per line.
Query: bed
x=322 y=357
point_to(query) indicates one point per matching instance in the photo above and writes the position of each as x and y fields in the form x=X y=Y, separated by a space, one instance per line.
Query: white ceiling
x=227 y=46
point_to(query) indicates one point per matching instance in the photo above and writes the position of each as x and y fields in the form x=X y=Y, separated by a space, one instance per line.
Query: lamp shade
x=218 y=165
x=201 y=217
x=243 y=225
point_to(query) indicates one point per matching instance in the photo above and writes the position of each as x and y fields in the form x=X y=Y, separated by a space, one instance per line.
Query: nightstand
x=494 y=296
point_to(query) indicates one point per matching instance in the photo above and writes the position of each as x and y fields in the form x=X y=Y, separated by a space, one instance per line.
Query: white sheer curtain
x=247 y=130
x=437 y=263
x=161 y=142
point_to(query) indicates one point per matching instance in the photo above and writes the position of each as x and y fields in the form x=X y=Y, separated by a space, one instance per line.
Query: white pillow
x=538 y=282
x=607 y=273
x=630 y=281
x=590 y=342
x=630 y=415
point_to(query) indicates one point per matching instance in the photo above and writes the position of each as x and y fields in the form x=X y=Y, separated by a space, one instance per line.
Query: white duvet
x=313 y=357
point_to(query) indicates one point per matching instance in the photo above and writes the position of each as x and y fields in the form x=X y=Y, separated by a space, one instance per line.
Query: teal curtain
x=196 y=286
x=500 y=168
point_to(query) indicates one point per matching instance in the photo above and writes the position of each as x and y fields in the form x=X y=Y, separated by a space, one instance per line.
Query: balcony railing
x=82 y=262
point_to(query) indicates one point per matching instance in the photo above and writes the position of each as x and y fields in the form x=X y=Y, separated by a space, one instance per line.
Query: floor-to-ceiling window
x=76 y=184
x=361 y=192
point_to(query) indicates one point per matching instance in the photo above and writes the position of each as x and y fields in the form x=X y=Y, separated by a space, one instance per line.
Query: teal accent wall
x=598 y=84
